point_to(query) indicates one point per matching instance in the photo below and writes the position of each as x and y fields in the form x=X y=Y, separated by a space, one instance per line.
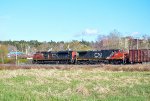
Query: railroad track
x=48 y=66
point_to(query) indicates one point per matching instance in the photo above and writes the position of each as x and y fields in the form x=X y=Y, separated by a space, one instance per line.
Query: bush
x=8 y=61
x=23 y=60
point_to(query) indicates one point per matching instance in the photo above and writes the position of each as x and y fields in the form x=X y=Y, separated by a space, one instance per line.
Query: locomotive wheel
x=34 y=62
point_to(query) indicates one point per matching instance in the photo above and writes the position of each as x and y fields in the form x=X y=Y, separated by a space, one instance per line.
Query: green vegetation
x=8 y=60
x=23 y=61
x=3 y=53
x=13 y=61
x=34 y=45
x=75 y=84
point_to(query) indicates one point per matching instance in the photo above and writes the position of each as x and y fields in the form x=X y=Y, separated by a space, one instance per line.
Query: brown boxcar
x=139 y=55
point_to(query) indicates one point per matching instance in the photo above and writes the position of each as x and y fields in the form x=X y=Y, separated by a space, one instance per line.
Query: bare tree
x=111 y=41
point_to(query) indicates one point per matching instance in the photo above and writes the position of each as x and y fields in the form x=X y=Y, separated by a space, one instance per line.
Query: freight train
x=113 y=56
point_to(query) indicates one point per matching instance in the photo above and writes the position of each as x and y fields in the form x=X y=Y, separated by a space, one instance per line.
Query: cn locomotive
x=113 y=56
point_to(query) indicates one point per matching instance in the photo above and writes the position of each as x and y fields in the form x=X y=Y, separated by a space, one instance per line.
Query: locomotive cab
x=119 y=57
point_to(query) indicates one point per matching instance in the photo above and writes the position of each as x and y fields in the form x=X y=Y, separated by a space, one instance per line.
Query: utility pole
x=2 y=59
x=16 y=57
x=82 y=35
x=1 y=53
x=137 y=44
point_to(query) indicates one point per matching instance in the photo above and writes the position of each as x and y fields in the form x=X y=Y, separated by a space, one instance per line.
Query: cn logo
x=97 y=55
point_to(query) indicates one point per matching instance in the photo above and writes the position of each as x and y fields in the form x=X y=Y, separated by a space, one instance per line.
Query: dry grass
x=137 y=67
x=102 y=67
x=81 y=89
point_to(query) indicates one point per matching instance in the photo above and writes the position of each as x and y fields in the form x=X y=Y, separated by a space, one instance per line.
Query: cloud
x=87 y=32
x=135 y=33
x=90 y=32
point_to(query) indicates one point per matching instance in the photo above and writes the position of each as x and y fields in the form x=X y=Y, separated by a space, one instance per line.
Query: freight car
x=139 y=56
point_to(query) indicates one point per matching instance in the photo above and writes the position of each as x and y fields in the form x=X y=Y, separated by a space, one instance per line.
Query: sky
x=66 y=20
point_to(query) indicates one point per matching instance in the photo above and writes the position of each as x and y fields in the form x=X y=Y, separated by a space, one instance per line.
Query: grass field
x=82 y=83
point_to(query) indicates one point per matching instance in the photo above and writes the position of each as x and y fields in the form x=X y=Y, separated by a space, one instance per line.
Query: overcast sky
x=66 y=20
